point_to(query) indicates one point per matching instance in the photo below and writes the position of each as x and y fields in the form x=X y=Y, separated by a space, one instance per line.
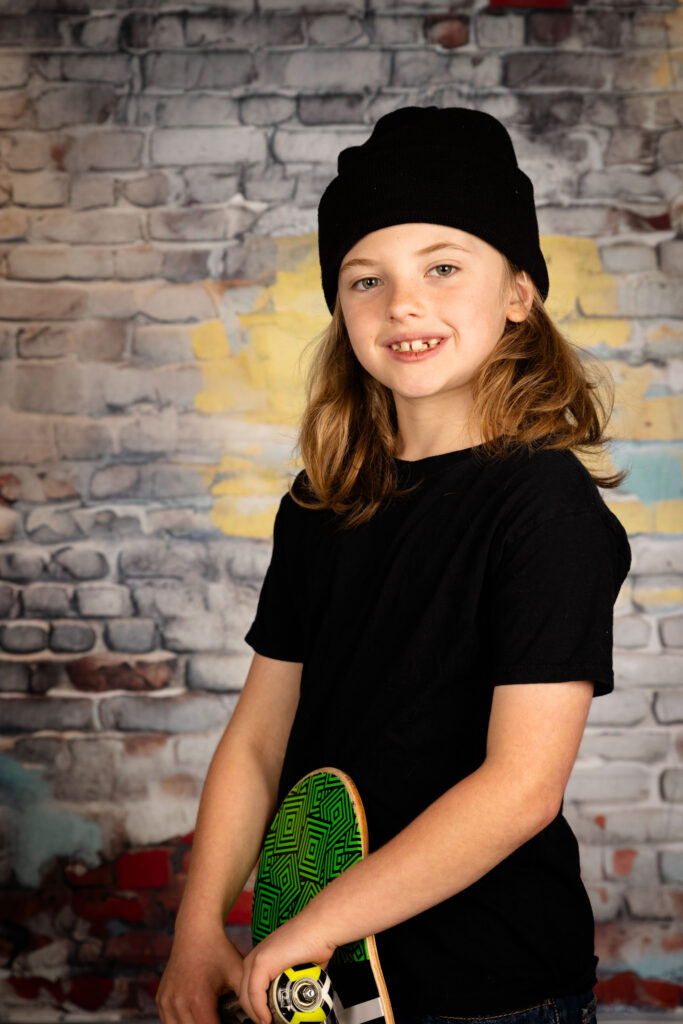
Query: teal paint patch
x=655 y=472
x=662 y=966
x=658 y=391
x=39 y=828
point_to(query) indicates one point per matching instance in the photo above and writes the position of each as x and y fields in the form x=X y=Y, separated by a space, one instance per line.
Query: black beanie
x=449 y=166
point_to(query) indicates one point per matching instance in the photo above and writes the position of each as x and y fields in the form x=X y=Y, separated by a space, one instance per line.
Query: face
x=411 y=282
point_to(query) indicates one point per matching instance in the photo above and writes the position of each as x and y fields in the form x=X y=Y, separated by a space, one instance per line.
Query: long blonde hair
x=534 y=390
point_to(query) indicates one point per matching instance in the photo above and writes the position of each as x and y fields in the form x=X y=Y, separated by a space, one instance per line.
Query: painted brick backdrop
x=161 y=167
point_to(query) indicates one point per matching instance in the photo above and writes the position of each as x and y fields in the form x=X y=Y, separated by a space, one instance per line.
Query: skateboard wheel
x=301 y=995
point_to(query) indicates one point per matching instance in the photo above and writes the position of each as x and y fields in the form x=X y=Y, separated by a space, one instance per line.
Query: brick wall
x=160 y=170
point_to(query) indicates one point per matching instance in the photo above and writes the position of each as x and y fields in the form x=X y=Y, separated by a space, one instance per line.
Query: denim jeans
x=576 y=1009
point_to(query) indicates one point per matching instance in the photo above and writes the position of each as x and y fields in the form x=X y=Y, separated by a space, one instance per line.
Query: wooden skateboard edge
x=370 y=940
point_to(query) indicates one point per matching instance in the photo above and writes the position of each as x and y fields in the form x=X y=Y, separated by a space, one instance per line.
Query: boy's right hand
x=200 y=967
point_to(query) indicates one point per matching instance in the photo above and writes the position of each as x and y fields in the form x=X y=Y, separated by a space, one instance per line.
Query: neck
x=433 y=428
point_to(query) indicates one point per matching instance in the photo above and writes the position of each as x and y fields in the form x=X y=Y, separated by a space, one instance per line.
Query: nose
x=403 y=299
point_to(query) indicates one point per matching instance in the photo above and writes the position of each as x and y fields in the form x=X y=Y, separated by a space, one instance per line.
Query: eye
x=363 y=280
x=444 y=266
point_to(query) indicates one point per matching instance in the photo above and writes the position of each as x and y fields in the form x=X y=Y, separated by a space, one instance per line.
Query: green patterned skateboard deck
x=318 y=832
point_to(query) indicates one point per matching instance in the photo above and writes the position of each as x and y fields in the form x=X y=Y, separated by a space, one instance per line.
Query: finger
x=244 y=993
x=259 y=983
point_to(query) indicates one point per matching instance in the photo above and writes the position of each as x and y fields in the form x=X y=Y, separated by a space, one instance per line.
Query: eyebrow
x=420 y=252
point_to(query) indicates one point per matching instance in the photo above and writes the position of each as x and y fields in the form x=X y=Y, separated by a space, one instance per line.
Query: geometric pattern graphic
x=314 y=837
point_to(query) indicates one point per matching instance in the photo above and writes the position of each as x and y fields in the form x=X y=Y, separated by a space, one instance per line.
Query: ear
x=521 y=298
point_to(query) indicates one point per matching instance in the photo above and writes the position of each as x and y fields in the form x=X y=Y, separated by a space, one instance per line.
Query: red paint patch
x=600 y=820
x=665 y=994
x=633 y=990
x=10 y=487
x=449 y=33
x=90 y=993
x=109 y=908
x=144 y=869
x=622 y=861
x=241 y=912
x=31 y=988
x=58 y=152
x=79 y=876
x=20 y=905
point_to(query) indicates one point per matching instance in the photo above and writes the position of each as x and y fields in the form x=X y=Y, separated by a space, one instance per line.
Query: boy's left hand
x=294 y=942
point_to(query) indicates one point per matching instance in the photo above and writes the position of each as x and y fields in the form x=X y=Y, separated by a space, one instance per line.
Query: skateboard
x=317 y=833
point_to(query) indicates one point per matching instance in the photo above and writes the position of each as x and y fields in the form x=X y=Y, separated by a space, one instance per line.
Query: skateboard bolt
x=307 y=994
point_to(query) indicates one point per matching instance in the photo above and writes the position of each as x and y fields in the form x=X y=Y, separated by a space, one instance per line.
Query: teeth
x=419 y=345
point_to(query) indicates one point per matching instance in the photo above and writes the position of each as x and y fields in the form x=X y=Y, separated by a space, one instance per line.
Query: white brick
x=191 y=146
x=640 y=669
x=668 y=707
x=103 y=600
x=626 y=745
x=654 y=902
x=606 y=901
x=223 y=673
x=308 y=146
x=114 y=226
x=656 y=554
x=609 y=782
x=631 y=631
x=116 y=67
x=91 y=190
x=32 y=151
x=40 y=188
x=106 y=150
x=621 y=707
x=671 y=631
x=672 y=784
x=14 y=70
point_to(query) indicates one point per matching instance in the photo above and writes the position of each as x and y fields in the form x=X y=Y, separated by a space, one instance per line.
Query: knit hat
x=449 y=166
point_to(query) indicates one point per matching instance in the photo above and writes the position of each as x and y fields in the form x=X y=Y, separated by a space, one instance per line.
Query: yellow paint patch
x=669 y=516
x=634 y=516
x=658 y=597
x=589 y=332
x=264 y=380
x=242 y=519
x=654 y=517
x=665 y=333
x=637 y=417
x=209 y=340
x=578 y=282
x=663 y=72
x=259 y=378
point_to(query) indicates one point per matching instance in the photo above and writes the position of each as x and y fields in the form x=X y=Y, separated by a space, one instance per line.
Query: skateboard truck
x=300 y=995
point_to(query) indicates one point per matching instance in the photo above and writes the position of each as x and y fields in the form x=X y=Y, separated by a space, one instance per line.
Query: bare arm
x=534 y=734
x=238 y=800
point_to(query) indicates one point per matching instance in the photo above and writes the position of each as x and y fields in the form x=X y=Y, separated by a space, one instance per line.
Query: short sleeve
x=277 y=630
x=552 y=602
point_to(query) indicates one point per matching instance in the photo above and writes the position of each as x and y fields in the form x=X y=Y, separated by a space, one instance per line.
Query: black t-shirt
x=494 y=571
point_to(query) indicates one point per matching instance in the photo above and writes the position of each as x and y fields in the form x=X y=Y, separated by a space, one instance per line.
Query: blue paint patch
x=663 y=966
x=655 y=472
x=658 y=391
x=39 y=828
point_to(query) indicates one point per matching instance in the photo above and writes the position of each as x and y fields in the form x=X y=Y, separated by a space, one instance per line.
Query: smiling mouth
x=418 y=345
